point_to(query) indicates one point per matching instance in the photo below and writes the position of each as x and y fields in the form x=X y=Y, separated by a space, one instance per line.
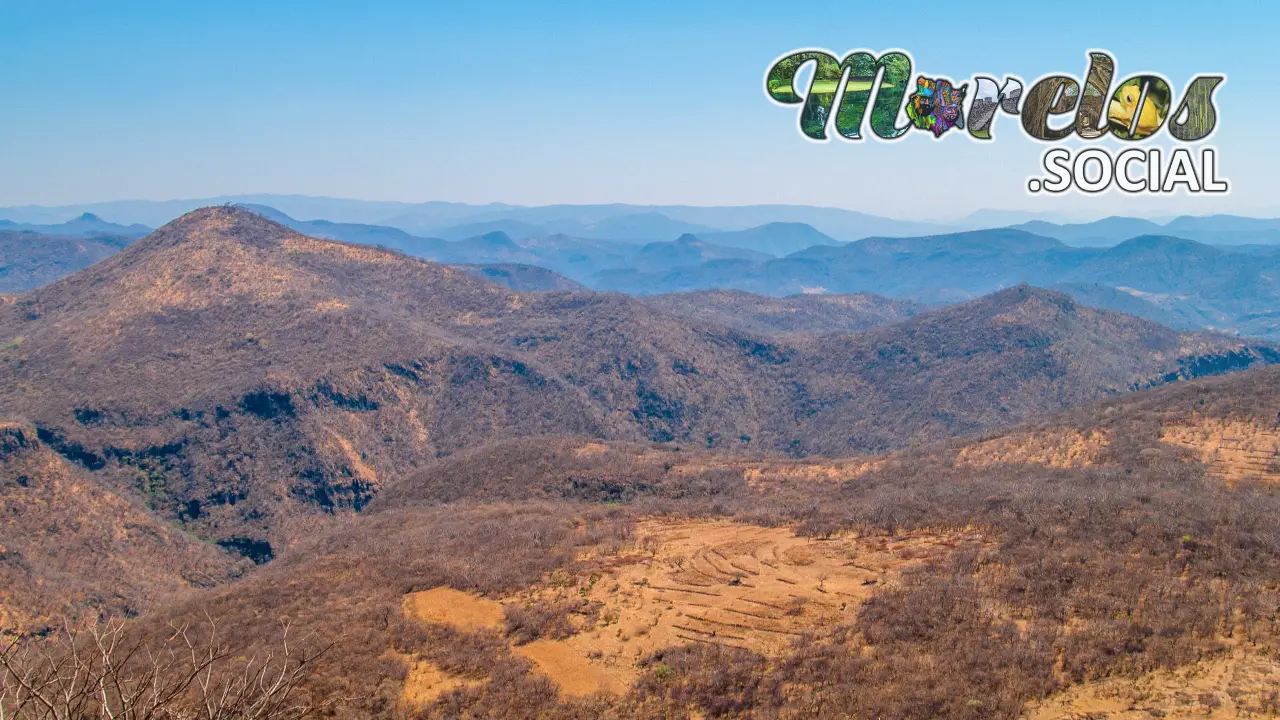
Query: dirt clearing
x=446 y=606
x=692 y=581
x=571 y=670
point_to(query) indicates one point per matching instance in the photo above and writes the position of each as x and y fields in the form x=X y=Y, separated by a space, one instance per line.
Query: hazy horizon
x=49 y=214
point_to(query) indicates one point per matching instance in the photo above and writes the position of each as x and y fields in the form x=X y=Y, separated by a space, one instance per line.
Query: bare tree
x=110 y=671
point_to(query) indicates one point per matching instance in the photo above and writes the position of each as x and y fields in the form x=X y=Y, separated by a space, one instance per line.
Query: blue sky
x=574 y=102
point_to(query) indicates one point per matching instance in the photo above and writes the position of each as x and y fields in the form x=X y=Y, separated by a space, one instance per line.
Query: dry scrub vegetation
x=69 y=547
x=1243 y=683
x=1018 y=582
x=796 y=314
x=551 y=577
x=1232 y=450
x=924 y=587
x=1136 y=564
x=236 y=375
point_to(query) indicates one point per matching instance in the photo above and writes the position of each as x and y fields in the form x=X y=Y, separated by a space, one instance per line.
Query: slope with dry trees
x=465 y=501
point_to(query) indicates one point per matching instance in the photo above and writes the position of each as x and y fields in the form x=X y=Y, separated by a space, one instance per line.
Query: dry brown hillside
x=70 y=548
x=232 y=373
x=225 y=365
x=566 y=578
x=1007 y=357
x=1230 y=425
x=800 y=313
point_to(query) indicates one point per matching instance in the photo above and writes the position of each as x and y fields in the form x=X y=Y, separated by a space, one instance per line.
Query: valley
x=492 y=491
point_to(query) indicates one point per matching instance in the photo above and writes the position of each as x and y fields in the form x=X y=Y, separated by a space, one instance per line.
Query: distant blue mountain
x=381 y=235
x=635 y=228
x=513 y=228
x=777 y=238
x=574 y=257
x=988 y=218
x=1201 y=285
x=1211 y=230
x=838 y=223
x=687 y=250
x=1100 y=233
x=639 y=227
x=1201 y=281
x=432 y=219
x=637 y=223
x=1221 y=223
x=594 y=220
x=1105 y=296
x=1226 y=230
x=86 y=225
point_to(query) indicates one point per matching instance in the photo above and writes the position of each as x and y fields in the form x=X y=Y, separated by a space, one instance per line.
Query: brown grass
x=72 y=549
x=424 y=683
x=1233 y=450
x=1242 y=684
x=1057 y=448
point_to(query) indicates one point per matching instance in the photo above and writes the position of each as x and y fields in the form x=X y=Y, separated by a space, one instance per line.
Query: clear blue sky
x=577 y=102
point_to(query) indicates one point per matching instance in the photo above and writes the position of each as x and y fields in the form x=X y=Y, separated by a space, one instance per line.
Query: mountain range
x=1211 y=230
x=577 y=256
x=1170 y=280
x=487 y=490
x=86 y=225
x=630 y=223
x=1219 y=288
x=235 y=373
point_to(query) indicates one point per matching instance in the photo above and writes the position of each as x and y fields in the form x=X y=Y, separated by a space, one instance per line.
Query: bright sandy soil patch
x=1231 y=449
x=571 y=670
x=737 y=585
x=1241 y=685
x=446 y=606
x=699 y=581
